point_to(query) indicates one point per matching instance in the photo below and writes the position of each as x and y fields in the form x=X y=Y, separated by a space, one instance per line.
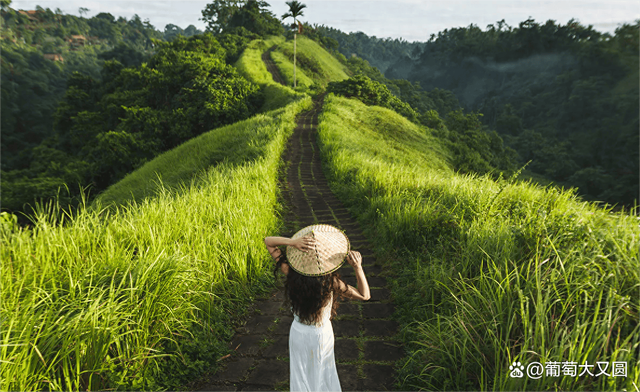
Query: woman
x=313 y=286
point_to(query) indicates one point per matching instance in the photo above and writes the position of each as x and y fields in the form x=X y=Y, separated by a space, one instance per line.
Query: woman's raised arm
x=362 y=292
x=303 y=243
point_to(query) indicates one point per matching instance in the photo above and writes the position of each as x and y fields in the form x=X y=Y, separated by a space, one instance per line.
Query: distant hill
x=565 y=97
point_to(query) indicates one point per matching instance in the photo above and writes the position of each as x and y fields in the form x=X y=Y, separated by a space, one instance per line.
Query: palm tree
x=295 y=10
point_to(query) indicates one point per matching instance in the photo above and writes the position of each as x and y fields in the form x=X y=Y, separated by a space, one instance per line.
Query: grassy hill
x=314 y=63
x=140 y=295
x=185 y=166
x=486 y=273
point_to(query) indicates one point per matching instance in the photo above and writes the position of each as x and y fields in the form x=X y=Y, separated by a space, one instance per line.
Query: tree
x=241 y=17
x=218 y=14
x=191 y=30
x=171 y=31
x=371 y=92
x=254 y=17
x=83 y=11
x=295 y=11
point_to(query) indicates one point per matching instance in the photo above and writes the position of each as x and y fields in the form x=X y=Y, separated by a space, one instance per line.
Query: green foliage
x=371 y=92
x=251 y=66
x=562 y=82
x=144 y=296
x=379 y=52
x=241 y=17
x=126 y=54
x=172 y=31
x=233 y=44
x=549 y=157
x=575 y=86
x=256 y=18
x=185 y=90
x=295 y=11
x=487 y=272
x=316 y=69
x=441 y=101
x=475 y=149
x=218 y=14
x=231 y=145
x=32 y=86
x=331 y=45
x=114 y=126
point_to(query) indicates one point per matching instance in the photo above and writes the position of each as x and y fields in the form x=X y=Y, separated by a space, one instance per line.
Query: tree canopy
x=240 y=17
x=563 y=96
x=295 y=11
x=106 y=127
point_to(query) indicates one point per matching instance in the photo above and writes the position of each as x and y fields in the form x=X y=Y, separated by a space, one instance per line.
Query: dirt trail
x=271 y=66
x=365 y=345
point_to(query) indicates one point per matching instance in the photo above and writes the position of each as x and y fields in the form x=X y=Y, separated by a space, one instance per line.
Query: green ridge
x=314 y=64
x=143 y=296
x=485 y=272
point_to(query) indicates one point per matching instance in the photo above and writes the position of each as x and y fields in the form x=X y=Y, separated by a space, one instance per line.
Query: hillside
x=142 y=288
x=191 y=197
x=41 y=50
x=231 y=145
x=54 y=66
x=315 y=64
x=485 y=273
x=564 y=97
x=205 y=207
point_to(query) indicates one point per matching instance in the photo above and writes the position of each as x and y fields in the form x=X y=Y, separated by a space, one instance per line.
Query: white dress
x=312 y=362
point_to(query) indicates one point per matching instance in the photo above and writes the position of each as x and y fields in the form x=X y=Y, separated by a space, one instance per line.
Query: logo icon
x=516 y=370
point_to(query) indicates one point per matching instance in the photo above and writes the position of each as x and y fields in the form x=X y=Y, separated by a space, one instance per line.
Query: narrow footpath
x=271 y=66
x=365 y=345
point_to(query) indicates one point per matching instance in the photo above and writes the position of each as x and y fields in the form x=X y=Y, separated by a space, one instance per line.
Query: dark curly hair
x=309 y=294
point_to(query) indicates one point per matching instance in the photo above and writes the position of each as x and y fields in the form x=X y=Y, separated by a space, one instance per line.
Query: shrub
x=371 y=92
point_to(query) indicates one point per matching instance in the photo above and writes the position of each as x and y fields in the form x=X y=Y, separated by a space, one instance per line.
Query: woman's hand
x=355 y=259
x=304 y=244
x=363 y=292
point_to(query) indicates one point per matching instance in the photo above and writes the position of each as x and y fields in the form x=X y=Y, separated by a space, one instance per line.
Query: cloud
x=412 y=20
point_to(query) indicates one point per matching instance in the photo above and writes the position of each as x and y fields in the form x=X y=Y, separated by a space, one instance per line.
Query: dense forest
x=565 y=97
x=379 y=52
x=85 y=101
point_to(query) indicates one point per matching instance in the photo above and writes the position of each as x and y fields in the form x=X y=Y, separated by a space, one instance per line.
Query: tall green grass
x=251 y=66
x=487 y=272
x=142 y=296
x=314 y=64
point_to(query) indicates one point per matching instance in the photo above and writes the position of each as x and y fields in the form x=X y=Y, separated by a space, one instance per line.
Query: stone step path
x=365 y=343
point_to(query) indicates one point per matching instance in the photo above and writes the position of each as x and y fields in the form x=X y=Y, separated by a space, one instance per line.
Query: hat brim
x=332 y=248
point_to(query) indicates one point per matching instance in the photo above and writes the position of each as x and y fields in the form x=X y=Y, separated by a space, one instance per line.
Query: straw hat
x=330 y=251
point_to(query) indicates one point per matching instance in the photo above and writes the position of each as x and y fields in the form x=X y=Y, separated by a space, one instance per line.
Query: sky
x=411 y=20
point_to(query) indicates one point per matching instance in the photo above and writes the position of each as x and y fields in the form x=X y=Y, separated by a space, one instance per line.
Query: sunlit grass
x=141 y=296
x=285 y=66
x=488 y=272
x=325 y=68
x=251 y=66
